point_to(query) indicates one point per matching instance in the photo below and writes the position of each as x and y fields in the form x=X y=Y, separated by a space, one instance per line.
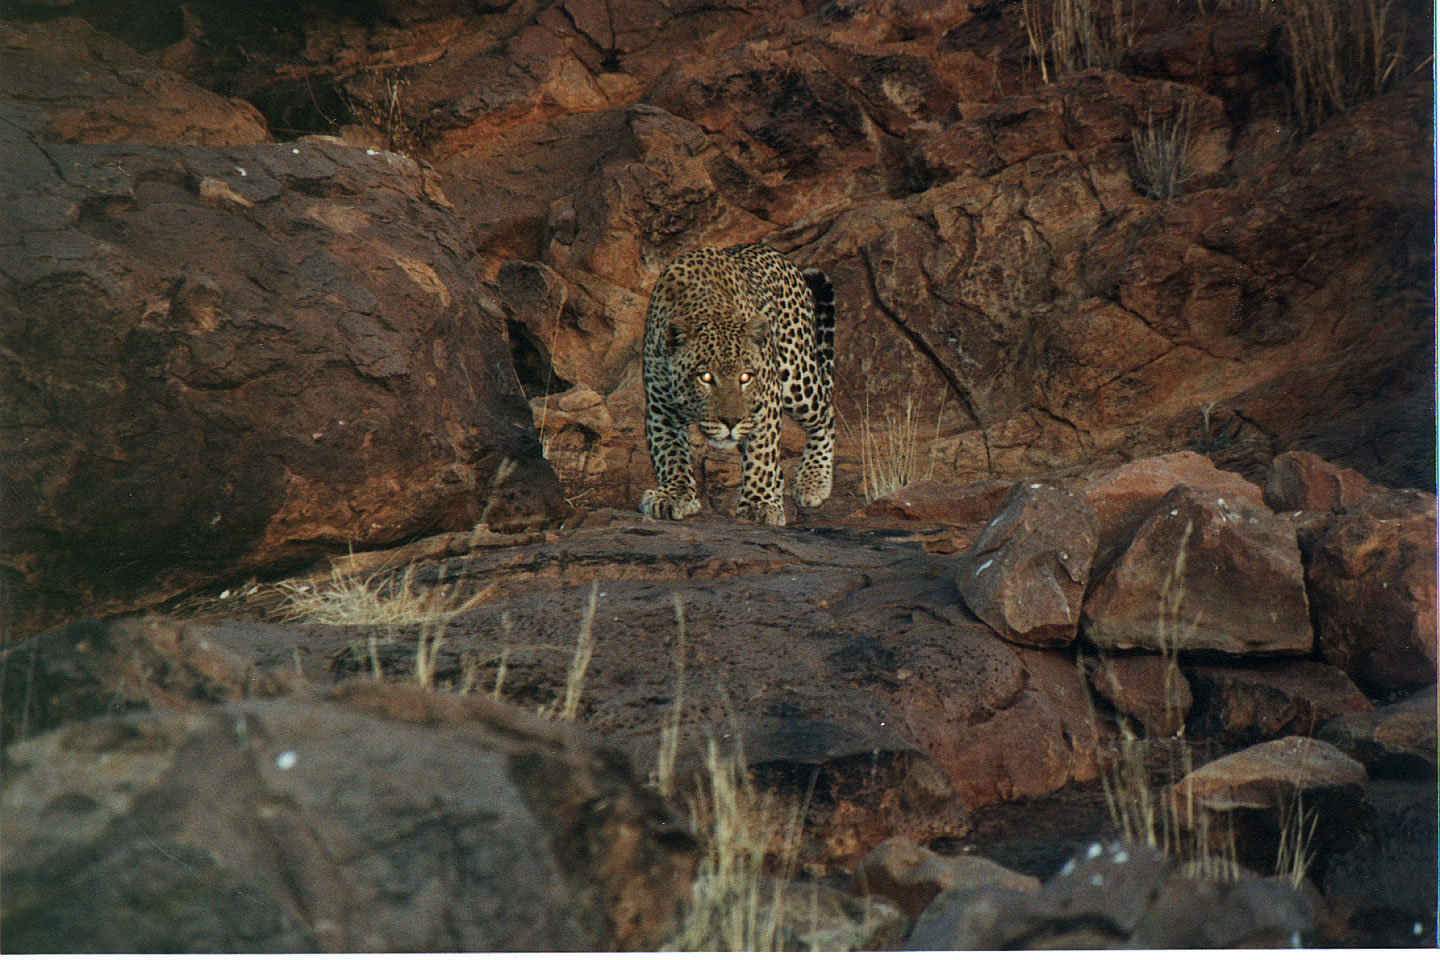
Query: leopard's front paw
x=812 y=483
x=812 y=495
x=658 y=505
x=771 y=513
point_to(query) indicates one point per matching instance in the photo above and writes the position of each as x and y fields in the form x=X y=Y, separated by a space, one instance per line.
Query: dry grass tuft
x=1165 y=817
x=383 y=602
x=1072 y=36
x=568 y=707
x=1163 y=153
x=890 y=456
x=1295 y=853
x=379 y=600
x=1341 y=53
x=735 y=906
x=664 y=777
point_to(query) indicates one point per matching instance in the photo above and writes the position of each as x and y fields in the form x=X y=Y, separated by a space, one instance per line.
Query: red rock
x=1263 y=701
x=1125 y=496
x=293 y=357
x=1204 y=572
x=1025 y=574
x=1014 y=722
x=911 y=876
x=934 y=501
x=1150 y=689
x=989 y=247
x=1272 y=773
x=1397 y=736
x=1372 y=584
x=1302 y=481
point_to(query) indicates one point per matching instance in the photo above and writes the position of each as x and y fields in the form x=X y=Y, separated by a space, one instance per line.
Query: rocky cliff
x=343 y=303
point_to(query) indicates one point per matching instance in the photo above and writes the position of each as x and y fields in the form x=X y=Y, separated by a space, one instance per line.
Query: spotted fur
x=732 y=337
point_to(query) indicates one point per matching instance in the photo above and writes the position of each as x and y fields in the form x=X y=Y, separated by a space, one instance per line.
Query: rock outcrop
x=225 y=357
x=222 y=358
x=1398 y=736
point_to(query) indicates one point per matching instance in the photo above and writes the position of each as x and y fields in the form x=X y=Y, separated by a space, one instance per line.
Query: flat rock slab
x=828 y=653
x=377 y=818
x=1273 y=773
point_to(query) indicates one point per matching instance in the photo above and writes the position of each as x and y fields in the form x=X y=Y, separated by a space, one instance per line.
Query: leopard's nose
x=729 y=422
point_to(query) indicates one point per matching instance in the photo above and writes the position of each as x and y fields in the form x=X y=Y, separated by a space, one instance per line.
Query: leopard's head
x=721 y=368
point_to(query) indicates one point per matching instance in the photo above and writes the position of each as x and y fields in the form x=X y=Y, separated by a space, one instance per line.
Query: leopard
x=733 y=337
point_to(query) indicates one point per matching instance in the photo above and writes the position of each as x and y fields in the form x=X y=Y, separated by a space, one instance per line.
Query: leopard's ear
x=758 y=329
x=677 y=331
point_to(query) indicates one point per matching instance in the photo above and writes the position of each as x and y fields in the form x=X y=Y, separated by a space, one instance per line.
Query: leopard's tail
x=824 y=294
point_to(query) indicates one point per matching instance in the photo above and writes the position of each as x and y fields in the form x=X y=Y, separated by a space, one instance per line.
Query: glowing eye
x=706 y=377
x=744 y=378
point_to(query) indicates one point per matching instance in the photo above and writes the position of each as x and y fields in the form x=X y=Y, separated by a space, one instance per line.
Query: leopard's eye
x=744 y=378
x=706 y=377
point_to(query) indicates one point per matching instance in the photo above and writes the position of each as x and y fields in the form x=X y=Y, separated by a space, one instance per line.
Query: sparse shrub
x=381 y=105
x=1163 y=153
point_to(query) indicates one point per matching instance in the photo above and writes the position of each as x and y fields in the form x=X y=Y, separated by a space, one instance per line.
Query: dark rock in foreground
x=379 y=818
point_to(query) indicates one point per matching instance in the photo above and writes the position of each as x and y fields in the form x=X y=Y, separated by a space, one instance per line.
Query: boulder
x=219 y=359
x=1242 y=704
x=378 y=818
x=1118 y=895
x=1372 y=586
x=94 y=668
x=1125 y=496
x=1272 y=773
x=1204 y=572
x=1398 y=737
x=1299 y=480
x=1147 y=688
x=911 y=876
x=1025 y=574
